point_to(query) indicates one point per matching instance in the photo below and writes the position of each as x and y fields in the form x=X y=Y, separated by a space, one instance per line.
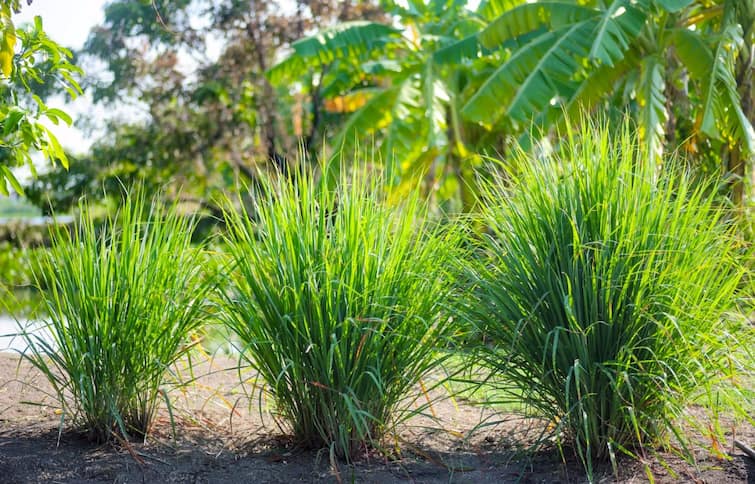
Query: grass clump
x=122 y=297
x=338 y=299
x=604 y=293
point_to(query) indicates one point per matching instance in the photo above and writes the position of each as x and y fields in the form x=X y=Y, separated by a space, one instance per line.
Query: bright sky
x=67 y=23
x=64 y=23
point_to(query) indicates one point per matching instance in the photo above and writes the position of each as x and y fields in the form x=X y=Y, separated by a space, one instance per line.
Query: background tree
x=666 y=61
x=449 y=81
x=402 y=89
x=196 y=120
x=433 y=85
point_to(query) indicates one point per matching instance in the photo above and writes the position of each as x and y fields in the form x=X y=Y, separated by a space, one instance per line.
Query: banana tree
x=564 y=56
x=400 y=89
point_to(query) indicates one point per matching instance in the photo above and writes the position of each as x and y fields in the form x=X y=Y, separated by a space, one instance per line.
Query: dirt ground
x=222 y=437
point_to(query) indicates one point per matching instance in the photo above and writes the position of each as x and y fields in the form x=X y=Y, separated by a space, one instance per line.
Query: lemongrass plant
x=122 y=296
x=604 y=292
x=338 y=301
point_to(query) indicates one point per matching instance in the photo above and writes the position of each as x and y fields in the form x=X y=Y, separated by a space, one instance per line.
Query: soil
x=222 y=436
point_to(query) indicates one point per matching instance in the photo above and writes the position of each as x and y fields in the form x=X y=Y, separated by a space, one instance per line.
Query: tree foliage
x=664 y=60
x=433 y=86
x=31 y=65
x=518 y=67
x=192 y=71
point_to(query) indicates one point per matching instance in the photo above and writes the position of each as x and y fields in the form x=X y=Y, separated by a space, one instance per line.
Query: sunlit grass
x=121 y=299
x=338 y=300
x=605 y=295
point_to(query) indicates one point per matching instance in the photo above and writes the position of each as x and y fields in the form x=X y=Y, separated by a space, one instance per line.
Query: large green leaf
x=492 y=9
x=722 y=115
x=619 y=25
x=673 y=6
x=722 y=111
x=592 y=90
x=457 y=52
x=345 y=39
x=348 y=40
x=531 y=17
x=552 y=76
x=693 y=52
x=405 y=137
x=535 y=76
x=436 y=98
x=652 y=115
x=291 y=67
x=490 y=101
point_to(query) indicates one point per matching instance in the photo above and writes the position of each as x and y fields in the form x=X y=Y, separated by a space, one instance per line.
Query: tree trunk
x=267 y=105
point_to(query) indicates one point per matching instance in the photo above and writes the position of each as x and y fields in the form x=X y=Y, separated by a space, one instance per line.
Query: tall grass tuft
x=338 y=300
x=604 y=293
x=122 y=298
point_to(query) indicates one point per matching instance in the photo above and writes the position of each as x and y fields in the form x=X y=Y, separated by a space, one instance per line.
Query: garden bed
x=221 y=437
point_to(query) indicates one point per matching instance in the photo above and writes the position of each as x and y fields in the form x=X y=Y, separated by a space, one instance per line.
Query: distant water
x=10 y=340
x=38 y=221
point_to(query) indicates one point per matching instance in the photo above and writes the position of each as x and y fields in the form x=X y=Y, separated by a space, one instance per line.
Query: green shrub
x=338 y=301
x=122 y=297
x=15 y=265
x=604 y=293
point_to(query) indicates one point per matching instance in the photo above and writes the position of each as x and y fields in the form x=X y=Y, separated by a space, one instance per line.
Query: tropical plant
x=337 y=299
x=668 y=60
x=446 y=81
x=121 y=298
x=604 y=294
x=400 y=88
x=38 y=64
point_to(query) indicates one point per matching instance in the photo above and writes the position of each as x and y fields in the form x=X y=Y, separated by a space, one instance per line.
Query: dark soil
x=222 y=437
